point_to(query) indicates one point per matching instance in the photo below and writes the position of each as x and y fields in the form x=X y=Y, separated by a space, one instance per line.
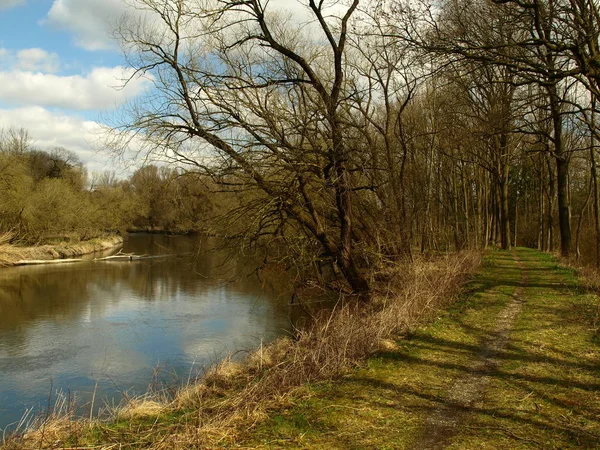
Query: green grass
x=545 y=392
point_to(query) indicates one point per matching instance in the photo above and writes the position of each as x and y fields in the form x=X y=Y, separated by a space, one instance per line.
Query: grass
x=374 y=378
x=545 y=392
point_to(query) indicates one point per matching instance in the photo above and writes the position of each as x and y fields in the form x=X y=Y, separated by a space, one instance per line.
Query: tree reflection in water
x=113 y=322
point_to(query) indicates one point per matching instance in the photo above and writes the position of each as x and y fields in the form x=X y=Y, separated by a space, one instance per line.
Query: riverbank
x=513 y=365
x=11 y=254
x=168 y=232
x=233 y=396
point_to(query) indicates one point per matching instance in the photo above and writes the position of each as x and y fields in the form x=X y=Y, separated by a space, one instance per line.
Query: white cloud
x=49 y=130
x=100 y=89
x=90 y=21
x=36 y=59
x=5 y=4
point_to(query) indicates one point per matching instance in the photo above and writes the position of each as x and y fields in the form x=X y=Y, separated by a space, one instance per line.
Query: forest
x=362 y=135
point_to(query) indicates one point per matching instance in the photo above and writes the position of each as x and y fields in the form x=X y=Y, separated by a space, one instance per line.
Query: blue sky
x=28 y=26
x=59 y=71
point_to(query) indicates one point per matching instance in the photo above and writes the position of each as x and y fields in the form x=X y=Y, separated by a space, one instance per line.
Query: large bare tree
x=257 y=102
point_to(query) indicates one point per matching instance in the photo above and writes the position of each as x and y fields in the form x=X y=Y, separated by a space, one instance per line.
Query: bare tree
x=256 y=103
x=540 y=51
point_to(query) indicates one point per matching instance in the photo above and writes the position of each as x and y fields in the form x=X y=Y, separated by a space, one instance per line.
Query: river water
x=119 y=327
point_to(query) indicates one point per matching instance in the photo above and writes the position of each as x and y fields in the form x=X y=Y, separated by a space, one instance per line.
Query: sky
x=62 y=76
x=61 y=73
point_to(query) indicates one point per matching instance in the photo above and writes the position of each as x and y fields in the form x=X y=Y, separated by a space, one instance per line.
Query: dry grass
x=590 y=276
x=232 y=397
x=589 y=279
x=46 y=430
x=10 y=254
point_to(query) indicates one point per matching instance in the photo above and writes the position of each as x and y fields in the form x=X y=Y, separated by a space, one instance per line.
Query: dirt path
x=444 y=422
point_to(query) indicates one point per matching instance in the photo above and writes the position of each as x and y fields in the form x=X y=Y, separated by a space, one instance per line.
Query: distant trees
x=169 y=200
x=551 y=48
x=44 y=195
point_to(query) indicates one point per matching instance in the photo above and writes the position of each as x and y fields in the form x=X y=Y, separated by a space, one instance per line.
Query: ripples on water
x=68 y=327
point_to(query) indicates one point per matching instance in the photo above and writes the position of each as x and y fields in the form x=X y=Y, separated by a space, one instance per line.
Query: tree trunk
x=580 y=219
x=504 y=212
x=564 y=212
x=550 y=214
x=345 y=258
x=486 y=212
x=595 y=183
x=541 y=230
x=516 y=220
x=562 y=174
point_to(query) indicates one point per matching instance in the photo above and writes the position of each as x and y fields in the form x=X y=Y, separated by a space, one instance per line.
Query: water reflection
x=112 y=323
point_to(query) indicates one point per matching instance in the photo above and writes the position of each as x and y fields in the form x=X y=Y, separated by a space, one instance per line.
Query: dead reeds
x=7 y=252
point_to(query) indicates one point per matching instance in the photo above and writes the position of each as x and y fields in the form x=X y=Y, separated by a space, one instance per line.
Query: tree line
x=360 y=133
x=47 y=196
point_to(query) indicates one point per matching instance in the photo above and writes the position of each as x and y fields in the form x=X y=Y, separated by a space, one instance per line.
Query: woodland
x=338 y=141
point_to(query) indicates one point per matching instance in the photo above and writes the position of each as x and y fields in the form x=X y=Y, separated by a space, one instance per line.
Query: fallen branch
x=129 y=257
x=33 y=262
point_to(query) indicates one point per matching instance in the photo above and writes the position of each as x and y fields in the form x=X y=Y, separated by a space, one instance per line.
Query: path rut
x=445 y=421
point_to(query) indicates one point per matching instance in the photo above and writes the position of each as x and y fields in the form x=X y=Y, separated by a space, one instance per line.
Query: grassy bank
x=540 y=389
x=10 y=254
x=231 y=398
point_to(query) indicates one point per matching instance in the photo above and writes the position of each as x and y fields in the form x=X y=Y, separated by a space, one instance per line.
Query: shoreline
x=231 y=394
x=10 y=254
x=161 y=231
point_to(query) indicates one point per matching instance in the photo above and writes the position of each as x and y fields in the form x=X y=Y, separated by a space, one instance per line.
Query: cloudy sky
x=59 y=72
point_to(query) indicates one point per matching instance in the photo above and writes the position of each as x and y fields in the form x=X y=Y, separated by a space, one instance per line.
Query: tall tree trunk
x=595 y=182
x=465 y=205
x=550 y=214
x=504 y=212
x=562 y=173
x=516 y=219
x=580 y=219
x=494 y=215
x=346 y=261
x=541 y=230
x=486 y=202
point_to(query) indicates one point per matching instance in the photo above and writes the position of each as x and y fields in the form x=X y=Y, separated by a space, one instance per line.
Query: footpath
x=515 y=364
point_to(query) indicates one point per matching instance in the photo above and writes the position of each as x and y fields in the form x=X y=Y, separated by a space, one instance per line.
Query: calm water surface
x=70 y=327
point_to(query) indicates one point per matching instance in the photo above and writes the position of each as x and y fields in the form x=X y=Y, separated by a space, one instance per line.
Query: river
x=108 y=326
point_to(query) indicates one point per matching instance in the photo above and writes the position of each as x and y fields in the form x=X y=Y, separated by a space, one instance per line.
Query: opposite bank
x=10 y=255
